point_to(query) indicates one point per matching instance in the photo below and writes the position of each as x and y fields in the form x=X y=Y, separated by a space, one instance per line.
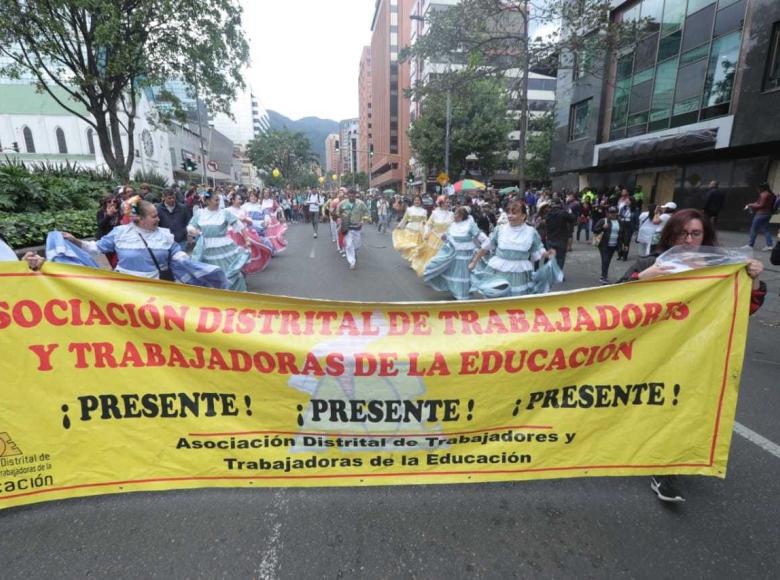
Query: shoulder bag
x=166 y=274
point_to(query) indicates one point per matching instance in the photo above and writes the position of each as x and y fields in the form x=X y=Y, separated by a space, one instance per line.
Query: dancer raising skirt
x=247 y=238
x=448 y=270
x=435 y=227
x=407 y=237
x=510 y=271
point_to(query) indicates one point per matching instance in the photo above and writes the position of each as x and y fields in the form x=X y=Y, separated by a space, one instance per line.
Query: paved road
x=590 y=528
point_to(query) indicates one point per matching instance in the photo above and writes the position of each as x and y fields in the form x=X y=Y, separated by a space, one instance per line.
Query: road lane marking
x=313 y=249
x=757 y=439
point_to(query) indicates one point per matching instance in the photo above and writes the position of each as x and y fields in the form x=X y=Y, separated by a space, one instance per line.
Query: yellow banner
x=115 y=384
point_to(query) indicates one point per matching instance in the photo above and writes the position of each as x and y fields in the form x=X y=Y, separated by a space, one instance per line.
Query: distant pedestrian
x=559 y=224
x=352 y=212
x=714 y=202
x=608 y=230
x=314 y=201
x=762 y=210
x=174 y=216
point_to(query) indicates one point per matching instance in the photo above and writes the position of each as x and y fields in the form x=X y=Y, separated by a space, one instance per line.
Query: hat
x=669 y=205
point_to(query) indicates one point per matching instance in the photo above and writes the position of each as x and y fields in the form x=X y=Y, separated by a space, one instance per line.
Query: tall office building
x=365 y=121
x=390 y=29
x=349 y=144
x=332 y=154
x=692 y=97
x=250 y=119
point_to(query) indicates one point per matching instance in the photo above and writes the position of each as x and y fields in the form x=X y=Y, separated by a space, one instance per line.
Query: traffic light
x=15 y=146
x=337 y=146
x=193 y=166
x=189 y=166
x=371 y=150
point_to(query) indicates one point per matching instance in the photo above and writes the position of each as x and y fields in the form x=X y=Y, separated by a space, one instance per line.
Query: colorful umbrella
x=469 y=185
x=506 y=190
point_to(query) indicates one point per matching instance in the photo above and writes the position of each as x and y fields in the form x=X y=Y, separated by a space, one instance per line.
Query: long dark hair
x=674 y=227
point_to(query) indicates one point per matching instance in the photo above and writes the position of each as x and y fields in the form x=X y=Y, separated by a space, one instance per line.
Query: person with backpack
x=762 y=210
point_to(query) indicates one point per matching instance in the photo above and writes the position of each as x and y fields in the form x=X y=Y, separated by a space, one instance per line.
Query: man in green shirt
x=352 y=212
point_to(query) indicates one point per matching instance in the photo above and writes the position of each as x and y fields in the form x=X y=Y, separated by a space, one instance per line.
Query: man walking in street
x=314 y=202
x=381 y=211
x=352 y=211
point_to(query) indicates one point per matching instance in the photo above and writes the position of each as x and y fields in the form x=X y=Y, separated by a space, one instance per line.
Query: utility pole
x=523 y=101
x=200 y=133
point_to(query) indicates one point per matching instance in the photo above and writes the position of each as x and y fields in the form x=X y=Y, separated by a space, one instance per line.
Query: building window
x=578 y=120
x=91 y=141
x=62 y=147
x=29 y=144
x=773 y=64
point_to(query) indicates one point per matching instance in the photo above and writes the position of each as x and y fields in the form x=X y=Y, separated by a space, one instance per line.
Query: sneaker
x=767 y=249
x=603 y=281
x=352 y=266
x=315 y=234
x=746 y=247
x=664 y=488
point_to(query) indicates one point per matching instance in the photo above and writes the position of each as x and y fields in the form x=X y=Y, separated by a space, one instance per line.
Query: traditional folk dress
x=448 y=270
x=260 y=252
x=214 y=246
x=274 y=229
x=435 y=227
x=510 y=271
x=260 y=221
x=408 y=236
x=130 y=244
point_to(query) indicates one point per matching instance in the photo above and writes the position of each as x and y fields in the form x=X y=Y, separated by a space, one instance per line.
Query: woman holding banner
x=142 y=249
x=687 y=232
x=510 y=271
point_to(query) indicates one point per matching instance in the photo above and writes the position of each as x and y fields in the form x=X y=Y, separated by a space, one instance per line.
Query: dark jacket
x=106 y=223
x=604 y=227
x=775 y=257
x=559 y=225
x=175 y=220
x=714 y=202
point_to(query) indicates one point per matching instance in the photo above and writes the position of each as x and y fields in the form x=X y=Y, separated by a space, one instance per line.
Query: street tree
x=541 y=130
x=359 y=179
x=479 y=126
x=99 y=55
x=290 y=153
x=506 y=39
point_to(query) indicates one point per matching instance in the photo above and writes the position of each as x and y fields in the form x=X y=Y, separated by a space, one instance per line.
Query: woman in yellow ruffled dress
x=408 y=236
x=435 y=227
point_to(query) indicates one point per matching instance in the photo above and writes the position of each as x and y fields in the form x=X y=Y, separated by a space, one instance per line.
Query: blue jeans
x=760 y=224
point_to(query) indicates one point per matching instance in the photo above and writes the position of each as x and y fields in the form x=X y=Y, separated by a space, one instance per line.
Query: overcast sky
x=305 y=54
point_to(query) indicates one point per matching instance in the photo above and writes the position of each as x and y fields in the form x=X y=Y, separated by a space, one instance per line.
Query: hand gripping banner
x=115 y=384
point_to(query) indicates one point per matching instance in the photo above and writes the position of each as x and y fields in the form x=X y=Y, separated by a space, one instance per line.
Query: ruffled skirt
x=406 y=242
x=230 y=257
x=448 y=271
x=492 y=283
x=425 y=252
x=260 y=250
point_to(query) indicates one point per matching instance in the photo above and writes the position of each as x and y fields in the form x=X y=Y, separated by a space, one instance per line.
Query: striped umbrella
x=469 y=185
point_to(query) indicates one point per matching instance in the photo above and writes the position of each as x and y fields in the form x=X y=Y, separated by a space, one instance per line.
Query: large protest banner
x=114 y=384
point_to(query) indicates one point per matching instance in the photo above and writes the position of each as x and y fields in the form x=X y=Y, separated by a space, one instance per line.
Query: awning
x=658 y=147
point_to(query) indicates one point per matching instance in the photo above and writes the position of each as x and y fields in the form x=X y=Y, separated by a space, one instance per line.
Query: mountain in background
x=314 y=128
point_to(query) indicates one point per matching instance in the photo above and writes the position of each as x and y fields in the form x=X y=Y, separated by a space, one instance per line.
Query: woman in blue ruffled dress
x=510 y=270
x=214 y=246
x=448 y=270
x=142 y=249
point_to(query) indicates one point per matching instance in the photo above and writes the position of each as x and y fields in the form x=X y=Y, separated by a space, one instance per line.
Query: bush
x=23 y=230
x=42 y=187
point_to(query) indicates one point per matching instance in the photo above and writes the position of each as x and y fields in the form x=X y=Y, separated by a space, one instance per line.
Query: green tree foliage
x=359 y=179
x=505 y=39
x=103 y=53
x=286 y=151
x=478 y=126
x=540 y=139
